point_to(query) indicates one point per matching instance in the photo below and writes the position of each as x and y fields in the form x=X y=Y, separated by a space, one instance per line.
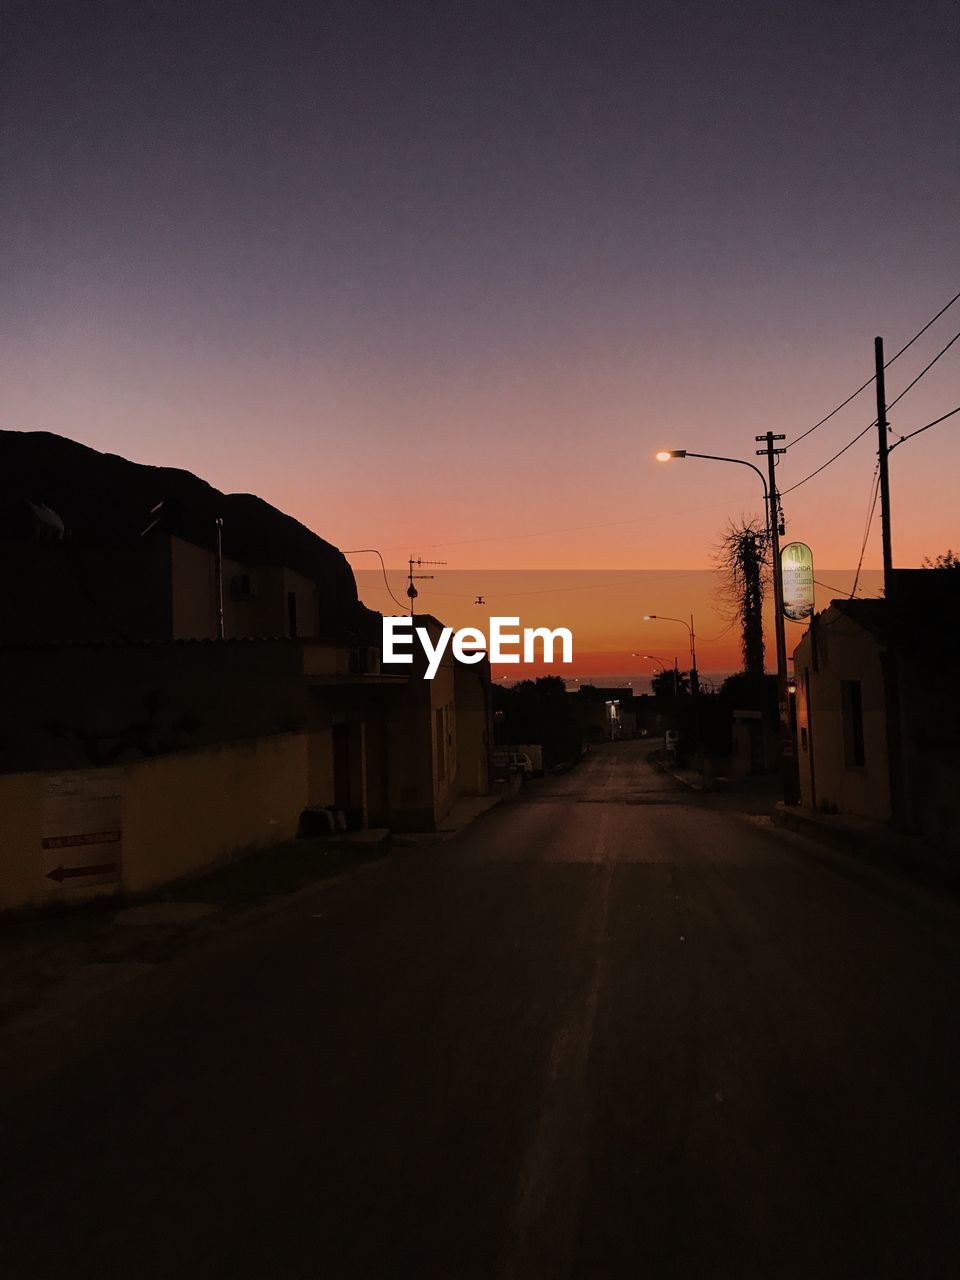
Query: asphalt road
x=611 y=1029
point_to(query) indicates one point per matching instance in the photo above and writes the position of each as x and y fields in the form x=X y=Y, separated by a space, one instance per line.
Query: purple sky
x=423 y=273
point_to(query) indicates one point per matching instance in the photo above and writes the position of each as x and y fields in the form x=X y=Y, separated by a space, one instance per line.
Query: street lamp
x=652 y=657
x=663 y=667
x=694 y=678
x=662 y=617
x=667 y=455
x=770 y=498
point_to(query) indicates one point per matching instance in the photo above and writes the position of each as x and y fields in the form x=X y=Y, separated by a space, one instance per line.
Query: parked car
x=513 y=762
x=535 y=751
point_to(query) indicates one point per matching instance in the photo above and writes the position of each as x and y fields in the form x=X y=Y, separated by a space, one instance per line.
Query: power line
x=875 y=484
x=919 y=430
x=372 y=551
x=830 y=587
x=837 y=455
x=871 y=509
x=912 y=384
x=720 y=634
x=549 y=591
x=843 y=404
x=909 y=387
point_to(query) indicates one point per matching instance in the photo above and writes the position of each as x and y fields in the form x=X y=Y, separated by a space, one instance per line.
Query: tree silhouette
x=538 y=711
x=669 y=685
x=949 y=560
x=743 y=557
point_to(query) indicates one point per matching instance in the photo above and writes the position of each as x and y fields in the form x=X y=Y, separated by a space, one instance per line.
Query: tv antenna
x=479 y=600
x=412 y=577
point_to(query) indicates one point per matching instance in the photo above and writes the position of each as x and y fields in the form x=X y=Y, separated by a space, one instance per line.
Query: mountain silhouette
x=103 y=499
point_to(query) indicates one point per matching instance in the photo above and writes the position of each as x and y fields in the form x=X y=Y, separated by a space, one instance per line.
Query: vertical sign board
x=81 y=834
x=796 y=563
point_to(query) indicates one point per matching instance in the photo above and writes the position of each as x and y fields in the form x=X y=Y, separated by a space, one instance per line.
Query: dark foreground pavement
x=610 y=1030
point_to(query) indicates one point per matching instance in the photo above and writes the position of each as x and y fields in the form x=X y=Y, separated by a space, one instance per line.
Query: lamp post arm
x=663 y=617
x=713 y=457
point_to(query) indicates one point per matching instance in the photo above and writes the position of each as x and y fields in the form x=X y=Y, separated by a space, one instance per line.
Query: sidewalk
x=756 y=793
x=875 y=845
x=464 y=812
x=52 y=961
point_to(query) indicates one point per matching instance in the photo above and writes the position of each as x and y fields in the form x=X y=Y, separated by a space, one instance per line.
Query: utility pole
x=891 y=659
x=694 y=676
x=884 y=449
x=774 y=521
x=695 y=704
x=412 y=577
x=773 y=498
x=218 y=572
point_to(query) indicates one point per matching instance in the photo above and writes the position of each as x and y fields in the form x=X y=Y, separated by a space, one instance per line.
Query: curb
x=890 y=868
x=668 y=773
x=804 y=825
x=442 y=834
x=221 y=921
x=687 y=782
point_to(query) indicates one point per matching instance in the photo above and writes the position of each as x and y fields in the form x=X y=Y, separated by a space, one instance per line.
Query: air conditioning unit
x=242 y=587
x=366 y=661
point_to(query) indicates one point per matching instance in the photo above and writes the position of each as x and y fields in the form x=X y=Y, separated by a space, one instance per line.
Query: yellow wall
x=184 y=812
x=472 y=685
x=22 y=882
x=194 y=590
x=320 y=767
x=180 y=814
x=845 y=651
x=417 y=797
x=263 y=613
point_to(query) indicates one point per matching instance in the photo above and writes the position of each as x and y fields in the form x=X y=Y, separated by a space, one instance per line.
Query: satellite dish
x=47 y=523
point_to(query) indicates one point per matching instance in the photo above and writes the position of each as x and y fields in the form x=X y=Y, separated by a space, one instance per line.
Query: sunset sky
x=441 y=278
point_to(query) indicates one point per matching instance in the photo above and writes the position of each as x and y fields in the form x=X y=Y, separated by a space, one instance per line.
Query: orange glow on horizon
x=604 y=610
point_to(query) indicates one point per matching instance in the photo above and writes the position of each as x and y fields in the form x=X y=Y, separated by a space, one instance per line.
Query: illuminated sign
x=796 y=563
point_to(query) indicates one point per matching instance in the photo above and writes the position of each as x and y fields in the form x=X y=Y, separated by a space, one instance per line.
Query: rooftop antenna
x=479 y=600
x=412 y=577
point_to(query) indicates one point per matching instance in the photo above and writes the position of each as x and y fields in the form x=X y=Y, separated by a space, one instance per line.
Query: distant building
x=603 y=714
x=870 y=672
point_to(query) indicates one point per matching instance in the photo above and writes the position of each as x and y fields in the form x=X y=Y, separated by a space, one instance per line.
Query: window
x=851 y=702
x=291 y=613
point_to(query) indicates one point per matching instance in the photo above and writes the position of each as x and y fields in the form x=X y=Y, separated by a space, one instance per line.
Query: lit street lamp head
x=666 y=454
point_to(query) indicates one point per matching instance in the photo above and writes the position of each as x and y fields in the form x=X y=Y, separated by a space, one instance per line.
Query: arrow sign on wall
x=67 y=873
